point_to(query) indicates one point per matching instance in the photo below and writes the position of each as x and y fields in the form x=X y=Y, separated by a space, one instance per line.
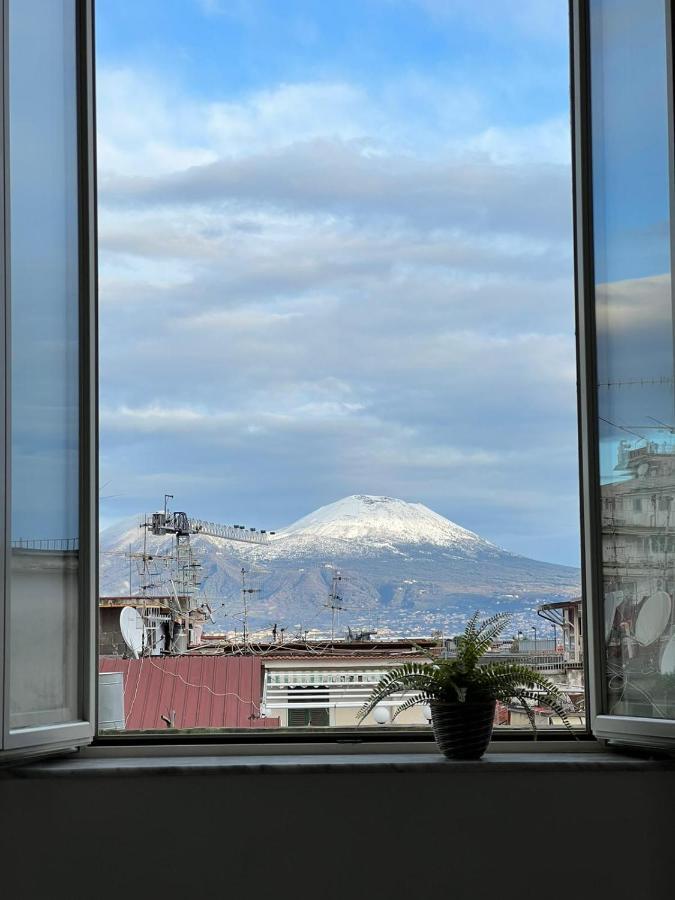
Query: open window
x=625 y=174
x=49 y=530
x=624 y=171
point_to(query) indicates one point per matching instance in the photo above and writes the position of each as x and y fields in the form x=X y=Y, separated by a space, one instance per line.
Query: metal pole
x=243 y=594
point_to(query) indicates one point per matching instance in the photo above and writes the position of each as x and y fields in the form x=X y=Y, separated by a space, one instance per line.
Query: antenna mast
x=245 y=594
x=334 y=601
x=183 y=569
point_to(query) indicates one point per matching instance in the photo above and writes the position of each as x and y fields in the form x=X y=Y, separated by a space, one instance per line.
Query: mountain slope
x=365 y=519
x=404 y=569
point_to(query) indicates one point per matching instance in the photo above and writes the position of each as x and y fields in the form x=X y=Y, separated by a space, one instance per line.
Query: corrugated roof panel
x=151 y=708
x=180 y=698
x=231 y=705
x=166 y=699
x=204 y=691
x=218 y=700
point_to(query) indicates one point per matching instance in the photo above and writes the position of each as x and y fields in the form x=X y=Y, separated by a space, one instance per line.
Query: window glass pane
x=44 y=378
x=635 y=351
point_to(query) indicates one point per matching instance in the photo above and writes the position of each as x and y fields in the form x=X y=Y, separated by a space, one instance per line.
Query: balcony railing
x=59 y=545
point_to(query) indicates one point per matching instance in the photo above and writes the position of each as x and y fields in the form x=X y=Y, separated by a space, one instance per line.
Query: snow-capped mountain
x=403 y=568
x=362 y=524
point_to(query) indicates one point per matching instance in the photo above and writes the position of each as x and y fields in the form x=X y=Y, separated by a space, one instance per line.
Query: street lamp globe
x=382 y=715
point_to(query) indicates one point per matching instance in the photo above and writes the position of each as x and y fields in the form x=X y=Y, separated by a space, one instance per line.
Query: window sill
x=90 y=764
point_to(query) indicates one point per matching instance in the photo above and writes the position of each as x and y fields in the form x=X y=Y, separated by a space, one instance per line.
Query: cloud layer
x=322 y=288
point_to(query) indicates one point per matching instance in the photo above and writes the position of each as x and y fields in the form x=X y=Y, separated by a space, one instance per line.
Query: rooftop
x=191 y=691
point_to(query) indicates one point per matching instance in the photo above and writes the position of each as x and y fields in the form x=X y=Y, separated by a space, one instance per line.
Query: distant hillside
x=404 y=570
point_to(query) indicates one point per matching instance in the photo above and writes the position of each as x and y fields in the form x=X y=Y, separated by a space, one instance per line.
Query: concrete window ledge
x=343 y=823
x=81 y=765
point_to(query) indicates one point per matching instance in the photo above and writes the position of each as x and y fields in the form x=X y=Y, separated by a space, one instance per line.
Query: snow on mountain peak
x=371 y=519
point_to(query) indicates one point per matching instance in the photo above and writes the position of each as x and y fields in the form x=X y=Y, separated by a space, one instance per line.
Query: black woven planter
x=462 y=730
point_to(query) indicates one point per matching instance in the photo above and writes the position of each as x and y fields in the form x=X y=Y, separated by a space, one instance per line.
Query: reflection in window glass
x=44 y=344
x=634 y=318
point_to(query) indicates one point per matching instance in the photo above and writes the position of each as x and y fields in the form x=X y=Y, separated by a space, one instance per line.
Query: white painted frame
x=658 y=733
x=33 y=740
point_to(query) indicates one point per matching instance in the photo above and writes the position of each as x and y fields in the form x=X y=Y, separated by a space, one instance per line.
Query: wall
x=502 y=835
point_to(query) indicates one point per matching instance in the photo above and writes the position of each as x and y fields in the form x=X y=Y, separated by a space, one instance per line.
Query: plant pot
x=462 y=730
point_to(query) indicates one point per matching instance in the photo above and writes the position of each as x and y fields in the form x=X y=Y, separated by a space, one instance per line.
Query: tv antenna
x=334 y=603
x=246 y=592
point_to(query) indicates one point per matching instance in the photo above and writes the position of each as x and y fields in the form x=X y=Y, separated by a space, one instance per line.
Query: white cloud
x=547 y=141
x=145 y=125
x=288 y=114
x=635 y=304
x=148 y=124
x=297 y=292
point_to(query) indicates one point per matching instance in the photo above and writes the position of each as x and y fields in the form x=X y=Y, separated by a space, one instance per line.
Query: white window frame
x=659 y=733
x=42 y=739
x=45 y=739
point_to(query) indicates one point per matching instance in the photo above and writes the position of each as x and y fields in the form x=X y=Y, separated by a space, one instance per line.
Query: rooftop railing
x=60 y=545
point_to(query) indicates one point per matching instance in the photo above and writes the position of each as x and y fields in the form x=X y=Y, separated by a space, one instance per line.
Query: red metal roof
x=204 y=691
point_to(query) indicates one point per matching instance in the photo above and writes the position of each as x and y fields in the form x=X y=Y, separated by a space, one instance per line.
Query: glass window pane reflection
x=634 y=319
x=44 y=381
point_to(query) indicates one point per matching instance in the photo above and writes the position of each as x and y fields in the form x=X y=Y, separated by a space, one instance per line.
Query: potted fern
x=463 y=691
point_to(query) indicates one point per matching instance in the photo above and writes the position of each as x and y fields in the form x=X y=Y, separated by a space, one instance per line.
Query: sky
x=45 y=467
x=634 y=311
x=336 y=258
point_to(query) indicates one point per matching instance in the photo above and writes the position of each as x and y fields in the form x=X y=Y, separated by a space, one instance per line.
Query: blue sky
x=631 y=217
x=226 y=48
x=336 y=258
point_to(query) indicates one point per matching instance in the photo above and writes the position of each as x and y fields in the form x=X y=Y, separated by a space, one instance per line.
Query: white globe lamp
x=382 y=715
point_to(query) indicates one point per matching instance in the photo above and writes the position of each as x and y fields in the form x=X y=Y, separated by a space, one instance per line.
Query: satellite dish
x=133 y=629
x=653 y=617
x=668 y=659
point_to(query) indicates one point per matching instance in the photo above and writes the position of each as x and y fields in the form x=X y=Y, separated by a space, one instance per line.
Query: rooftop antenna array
x=183 y=527
x=150 y=565
x=174 y=577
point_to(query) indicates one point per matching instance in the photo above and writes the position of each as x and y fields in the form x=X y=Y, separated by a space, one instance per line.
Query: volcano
x=403 y=570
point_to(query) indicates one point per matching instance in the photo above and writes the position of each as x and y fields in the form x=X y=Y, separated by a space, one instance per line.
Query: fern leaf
x=465 y=678
x=412 y=701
